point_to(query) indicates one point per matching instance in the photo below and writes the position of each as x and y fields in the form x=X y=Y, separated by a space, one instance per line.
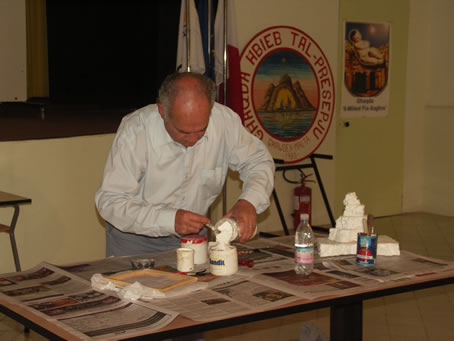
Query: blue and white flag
x=196 y=62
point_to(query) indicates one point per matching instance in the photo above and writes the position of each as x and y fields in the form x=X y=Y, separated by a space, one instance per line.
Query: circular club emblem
x=288 y=92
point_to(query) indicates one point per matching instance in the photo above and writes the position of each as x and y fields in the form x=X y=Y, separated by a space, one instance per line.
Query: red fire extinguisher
x=302 y=201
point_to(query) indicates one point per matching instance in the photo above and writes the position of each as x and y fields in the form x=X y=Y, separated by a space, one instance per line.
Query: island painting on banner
x=288 y=92
x=365 y=89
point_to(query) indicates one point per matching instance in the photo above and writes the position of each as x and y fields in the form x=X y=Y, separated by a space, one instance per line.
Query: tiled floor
x=425 y=315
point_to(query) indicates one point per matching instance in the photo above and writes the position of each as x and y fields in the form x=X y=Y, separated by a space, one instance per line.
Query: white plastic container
x=223 y=259
x=227 y=230
x=185 y=259
x=199 y=243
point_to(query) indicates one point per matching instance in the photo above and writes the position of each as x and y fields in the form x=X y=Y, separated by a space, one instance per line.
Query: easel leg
x=322 y=190
x=312 y=165
x=279 y=211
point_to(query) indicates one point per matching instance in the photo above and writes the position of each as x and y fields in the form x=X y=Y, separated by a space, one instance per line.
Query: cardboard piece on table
x=158 y=280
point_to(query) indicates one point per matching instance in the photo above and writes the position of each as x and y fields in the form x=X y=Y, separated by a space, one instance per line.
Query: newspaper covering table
x=64 y=295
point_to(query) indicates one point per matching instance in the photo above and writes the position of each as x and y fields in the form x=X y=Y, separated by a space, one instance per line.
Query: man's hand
x=244 y=213
x=187 y=222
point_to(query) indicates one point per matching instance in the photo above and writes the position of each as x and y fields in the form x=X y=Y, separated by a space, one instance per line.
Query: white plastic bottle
x=304 y=246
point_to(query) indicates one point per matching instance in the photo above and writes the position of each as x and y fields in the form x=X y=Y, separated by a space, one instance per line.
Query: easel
x=312 y=165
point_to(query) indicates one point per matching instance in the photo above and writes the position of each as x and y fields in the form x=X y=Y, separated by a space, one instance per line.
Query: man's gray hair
x=169 y=89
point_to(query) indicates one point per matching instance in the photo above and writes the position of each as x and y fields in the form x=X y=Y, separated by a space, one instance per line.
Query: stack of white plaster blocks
x=342 y=239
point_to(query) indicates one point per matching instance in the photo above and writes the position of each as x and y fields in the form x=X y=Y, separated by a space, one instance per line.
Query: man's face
x=188 y=119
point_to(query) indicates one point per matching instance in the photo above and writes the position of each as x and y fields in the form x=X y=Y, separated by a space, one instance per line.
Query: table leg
x=347 y=321
x=13 y=239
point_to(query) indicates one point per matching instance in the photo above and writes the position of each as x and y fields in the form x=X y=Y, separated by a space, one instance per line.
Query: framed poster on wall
x=365 y=87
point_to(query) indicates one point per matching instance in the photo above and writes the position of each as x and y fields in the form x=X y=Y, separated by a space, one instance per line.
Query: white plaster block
x=386 y=247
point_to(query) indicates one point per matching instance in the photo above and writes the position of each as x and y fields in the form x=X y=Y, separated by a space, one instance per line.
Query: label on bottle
x=304 y=254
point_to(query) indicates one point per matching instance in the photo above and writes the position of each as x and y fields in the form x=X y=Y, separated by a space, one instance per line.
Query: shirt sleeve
x=119 y=199
x=250 y=157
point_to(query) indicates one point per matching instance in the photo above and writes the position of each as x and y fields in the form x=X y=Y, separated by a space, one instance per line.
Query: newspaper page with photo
x=392 y=268
x=126 y=320
x=205 y=305
x=314 y=285
x=41 y=282
x=70 y=302
x=256 y=295
x=230 y=296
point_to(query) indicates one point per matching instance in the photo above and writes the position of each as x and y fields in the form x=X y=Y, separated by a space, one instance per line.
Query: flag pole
x=224 y=77
x=224 y=72
x=209 y=38
x=188 y=37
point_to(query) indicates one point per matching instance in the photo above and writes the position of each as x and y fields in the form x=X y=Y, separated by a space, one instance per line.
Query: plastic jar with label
x=223 y=260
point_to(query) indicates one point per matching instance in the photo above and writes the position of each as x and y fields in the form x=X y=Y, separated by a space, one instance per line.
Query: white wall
x=61 y=176
x=441 y=49
x=13 y=72
x=429 y=161
x=438 y=120
x=319 y=20
x=369 y=150
x=416 y=97
x=438 y=165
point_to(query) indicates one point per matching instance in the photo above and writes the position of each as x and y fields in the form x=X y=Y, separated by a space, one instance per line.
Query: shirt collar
x=160 y=135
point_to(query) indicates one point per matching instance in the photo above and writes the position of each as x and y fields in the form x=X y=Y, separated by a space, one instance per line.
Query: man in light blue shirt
x=169 y=162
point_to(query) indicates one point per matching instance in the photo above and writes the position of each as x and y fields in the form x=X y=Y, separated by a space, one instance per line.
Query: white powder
x=226 y=232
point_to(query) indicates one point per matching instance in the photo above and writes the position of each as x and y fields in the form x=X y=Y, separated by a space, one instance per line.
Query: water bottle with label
x=304 y=246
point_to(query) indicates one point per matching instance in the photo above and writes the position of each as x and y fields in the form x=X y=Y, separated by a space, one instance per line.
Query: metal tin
x=366 y=249
x=199 y=243
x=142 y=263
